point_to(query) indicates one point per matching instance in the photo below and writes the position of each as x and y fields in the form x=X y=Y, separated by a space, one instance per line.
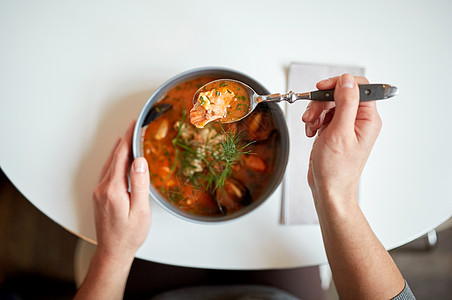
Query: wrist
x=114 y=259
x=337 y=203
x=106 y=277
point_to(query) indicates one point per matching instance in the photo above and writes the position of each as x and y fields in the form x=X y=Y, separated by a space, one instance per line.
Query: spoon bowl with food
x=223 y=100
x=227 y=100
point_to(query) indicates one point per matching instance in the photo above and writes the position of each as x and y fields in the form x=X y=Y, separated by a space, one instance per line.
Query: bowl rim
x=191 y=74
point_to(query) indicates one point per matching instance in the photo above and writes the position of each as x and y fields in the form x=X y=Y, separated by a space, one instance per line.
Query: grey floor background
x=36 y=256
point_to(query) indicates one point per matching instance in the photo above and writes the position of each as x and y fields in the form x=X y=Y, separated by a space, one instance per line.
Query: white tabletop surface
x=74 y=73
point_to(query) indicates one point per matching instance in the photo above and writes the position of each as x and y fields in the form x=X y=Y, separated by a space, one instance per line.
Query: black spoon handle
x=367 y=92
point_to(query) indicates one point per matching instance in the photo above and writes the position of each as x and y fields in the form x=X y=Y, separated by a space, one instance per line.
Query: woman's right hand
x=346 y=132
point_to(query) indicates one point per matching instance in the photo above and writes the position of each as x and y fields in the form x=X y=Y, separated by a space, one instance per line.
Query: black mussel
x=258 y=126
x=155 y=112
x=232 y=196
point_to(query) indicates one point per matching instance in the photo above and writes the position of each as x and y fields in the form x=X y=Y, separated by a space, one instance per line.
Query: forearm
x=106 y=277
x=361 y=266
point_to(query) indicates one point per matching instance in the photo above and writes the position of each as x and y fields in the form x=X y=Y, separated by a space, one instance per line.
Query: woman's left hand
x=122 y=218
x=122 y=222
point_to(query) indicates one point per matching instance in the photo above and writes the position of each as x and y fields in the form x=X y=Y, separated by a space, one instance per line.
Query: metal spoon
x=367 y=92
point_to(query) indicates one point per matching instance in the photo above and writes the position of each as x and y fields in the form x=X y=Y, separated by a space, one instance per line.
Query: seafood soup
x=216 y=170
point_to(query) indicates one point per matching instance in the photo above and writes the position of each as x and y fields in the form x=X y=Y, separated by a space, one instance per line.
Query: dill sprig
x=217 y=158
x=232 y=148
x=175 y=142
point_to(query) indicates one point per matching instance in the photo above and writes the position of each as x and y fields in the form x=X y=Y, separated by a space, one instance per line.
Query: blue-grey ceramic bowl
x=277 y=115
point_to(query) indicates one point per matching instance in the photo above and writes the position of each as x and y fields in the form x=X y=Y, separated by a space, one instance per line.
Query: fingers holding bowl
x=122 y=158
x=107 y=165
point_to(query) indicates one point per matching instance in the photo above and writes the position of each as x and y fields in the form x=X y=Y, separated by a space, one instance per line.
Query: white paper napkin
x=297 y=202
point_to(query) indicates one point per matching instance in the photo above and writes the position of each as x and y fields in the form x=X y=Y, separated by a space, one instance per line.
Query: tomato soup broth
x=195 y=169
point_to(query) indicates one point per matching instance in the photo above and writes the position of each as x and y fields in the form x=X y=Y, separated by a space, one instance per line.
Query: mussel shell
x=259 y=125
x=155 y=112
x=232 y=196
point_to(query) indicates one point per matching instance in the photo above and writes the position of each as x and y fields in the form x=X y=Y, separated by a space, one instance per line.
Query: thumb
x=139 y=183
x=346 y=97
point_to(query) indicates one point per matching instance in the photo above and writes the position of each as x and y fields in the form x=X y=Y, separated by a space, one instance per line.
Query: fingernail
x=347 y=81
x=317 y=122
x=306 y=114
x=309 y=131
x=139 y=166
x=322 y=116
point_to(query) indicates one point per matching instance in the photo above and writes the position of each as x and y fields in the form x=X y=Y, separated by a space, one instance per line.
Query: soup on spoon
x=222 y=100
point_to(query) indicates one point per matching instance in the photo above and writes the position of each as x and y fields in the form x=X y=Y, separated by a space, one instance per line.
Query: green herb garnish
x=175 y=196
x=232 y=150
x=207 y=165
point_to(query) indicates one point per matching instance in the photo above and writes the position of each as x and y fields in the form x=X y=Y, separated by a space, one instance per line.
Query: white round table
x=74 y=74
